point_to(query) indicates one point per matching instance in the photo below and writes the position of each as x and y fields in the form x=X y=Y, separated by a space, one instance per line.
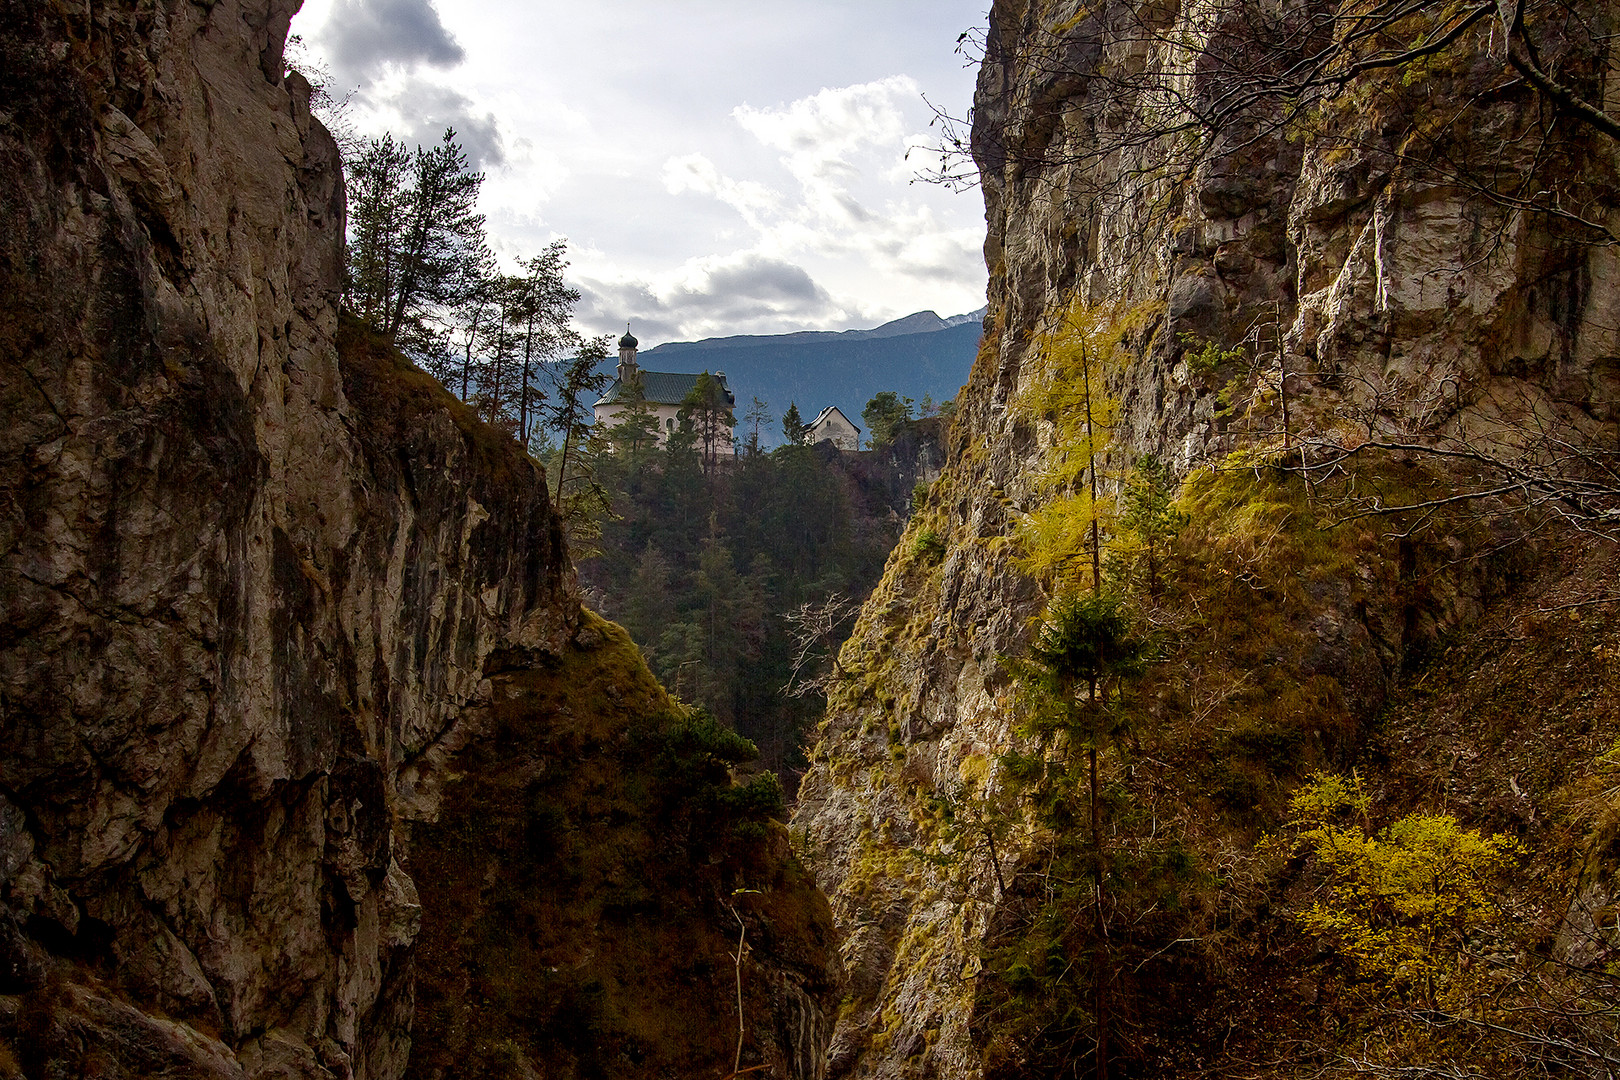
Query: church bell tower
x=627 y=356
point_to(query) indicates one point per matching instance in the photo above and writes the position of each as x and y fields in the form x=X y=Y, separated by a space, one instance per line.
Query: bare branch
x=816 y=630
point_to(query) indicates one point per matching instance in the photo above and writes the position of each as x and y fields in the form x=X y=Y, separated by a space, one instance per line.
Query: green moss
x=927 y=546
x=395 y=396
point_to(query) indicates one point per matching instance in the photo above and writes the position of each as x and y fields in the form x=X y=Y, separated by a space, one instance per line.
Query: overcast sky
x=717 y=166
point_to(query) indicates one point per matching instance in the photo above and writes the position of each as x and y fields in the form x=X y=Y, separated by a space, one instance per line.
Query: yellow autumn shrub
x=1401 y=903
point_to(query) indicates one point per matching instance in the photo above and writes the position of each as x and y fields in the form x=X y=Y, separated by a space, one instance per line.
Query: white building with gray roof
x=834 y=427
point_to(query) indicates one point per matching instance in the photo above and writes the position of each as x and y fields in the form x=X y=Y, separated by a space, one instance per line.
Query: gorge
x=312 y=764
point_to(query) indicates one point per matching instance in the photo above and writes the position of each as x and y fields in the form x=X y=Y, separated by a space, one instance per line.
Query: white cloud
x=847 y=196
x=712 y=295
x=618 y=127
x=363 y=37
x=425 y=110
x=696 y=173
x=692 y=172
x=824 y=128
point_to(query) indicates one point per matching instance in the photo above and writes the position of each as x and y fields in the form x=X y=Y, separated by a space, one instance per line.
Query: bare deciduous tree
x=816 y=629
x=1143 y=97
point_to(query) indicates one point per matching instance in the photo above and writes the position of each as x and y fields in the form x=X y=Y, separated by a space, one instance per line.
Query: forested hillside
x=740 y=583
x=738 y=577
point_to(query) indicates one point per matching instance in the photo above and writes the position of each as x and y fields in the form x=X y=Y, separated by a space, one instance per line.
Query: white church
x=663 y=392
x=834 y=427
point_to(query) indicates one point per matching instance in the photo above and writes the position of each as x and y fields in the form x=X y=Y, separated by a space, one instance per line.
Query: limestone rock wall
x=1329 y=254
x=242 y=585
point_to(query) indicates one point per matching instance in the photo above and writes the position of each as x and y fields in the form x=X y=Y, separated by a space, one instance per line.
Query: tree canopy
x=883 y=415
x=420 y=272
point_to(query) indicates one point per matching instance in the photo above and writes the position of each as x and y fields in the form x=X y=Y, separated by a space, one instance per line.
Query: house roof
x=828 y=411
x=666 y=388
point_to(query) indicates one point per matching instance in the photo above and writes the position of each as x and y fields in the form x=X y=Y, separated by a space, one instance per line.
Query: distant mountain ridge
x=920 y=354
x=921 y=322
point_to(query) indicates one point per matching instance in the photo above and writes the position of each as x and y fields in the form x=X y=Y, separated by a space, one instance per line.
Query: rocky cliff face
x=243 y=586
x=1328 y=253
x=256 y=573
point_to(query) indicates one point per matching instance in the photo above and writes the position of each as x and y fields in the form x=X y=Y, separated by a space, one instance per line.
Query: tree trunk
x=523 y=394
x=466 y=364
x=500 y=364
x=1100 y=962
x=427 y=196
x=1091 y=451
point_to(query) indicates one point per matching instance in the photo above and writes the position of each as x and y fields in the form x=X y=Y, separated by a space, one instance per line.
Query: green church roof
x=665 y=388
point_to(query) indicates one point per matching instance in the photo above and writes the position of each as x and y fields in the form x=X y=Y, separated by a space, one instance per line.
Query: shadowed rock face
x=242 y=583
x=265 y=592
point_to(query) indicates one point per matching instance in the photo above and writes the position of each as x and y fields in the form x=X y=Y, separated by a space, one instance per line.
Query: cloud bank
x=378 y=50
x=426 y=109
x=715 y=175
x=710 y=296
x=843 y=154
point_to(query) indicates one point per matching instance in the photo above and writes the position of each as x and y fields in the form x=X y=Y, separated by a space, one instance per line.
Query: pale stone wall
x=668 y=416
x=833 y=429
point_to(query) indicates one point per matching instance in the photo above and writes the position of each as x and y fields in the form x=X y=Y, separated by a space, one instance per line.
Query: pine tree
x=732 y=614
x=794 y=429
x=710 y=414
x=578 y=497
x=1071 y=681
x=685 y=497
x=649 y=606
x=543 y=308
x=378 y=179
x=416 y=242
x=443 y=232
x=883 y=415
x=1149 y=514
x=474 y=315
x=635 y=426
x=494 y=395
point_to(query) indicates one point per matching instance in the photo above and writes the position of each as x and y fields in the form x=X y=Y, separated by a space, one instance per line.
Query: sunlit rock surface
x=1322 y=253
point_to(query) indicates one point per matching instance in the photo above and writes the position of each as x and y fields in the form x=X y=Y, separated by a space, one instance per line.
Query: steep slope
x=1325 y=254
x=588 y=884
x=259 y=577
